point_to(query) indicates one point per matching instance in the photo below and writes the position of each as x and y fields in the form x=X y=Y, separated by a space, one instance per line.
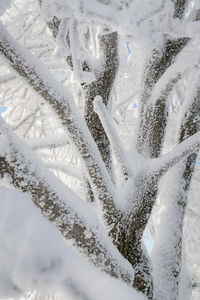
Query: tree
x=82 y=40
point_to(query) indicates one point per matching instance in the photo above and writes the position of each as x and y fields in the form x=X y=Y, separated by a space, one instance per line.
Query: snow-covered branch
x=73 y=217
x=48 y=142
x=75 y=43
x=6 y=79
x=116 y=145
x=61 y=101
x=179 y=8
x=154 y=114
x=108 y=50
x=76 y=173
x=162 y=164
x=187 y=60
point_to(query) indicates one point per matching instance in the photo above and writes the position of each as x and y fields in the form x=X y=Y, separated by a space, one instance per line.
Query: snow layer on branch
x=34 y=256
x=79 y=211
x=167 y=235
x=67 y=100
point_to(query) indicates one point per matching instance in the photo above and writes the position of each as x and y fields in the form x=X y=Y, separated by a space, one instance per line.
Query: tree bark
x=102 y=86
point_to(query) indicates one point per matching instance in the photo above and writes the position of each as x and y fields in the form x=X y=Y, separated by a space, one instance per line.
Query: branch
x=152 y=15
x=162 y=164
x=7 y=78
x=96 y=10
x=76 y=173
x=73 y=217
x=150 y=138
x=102 y=113
x=83 y=66
x=32 y=114
x=62 y=103
x=48 y=142
x=154 y=114
x=179 y=8
x=108 y=47
x=183 y=62
x=78 y=66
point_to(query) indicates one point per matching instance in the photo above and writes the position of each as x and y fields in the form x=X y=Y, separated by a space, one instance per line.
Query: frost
x=35 y=257
x=4 y=5
x=99 y=124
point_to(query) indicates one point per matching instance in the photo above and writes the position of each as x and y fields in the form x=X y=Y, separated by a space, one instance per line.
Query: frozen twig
x=48 y=142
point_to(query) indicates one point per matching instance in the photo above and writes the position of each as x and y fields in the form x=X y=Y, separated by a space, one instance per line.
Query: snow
x=72 y=119
x=34 y=256
x=78 y=211
x=4 y=4
x=117 y=147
